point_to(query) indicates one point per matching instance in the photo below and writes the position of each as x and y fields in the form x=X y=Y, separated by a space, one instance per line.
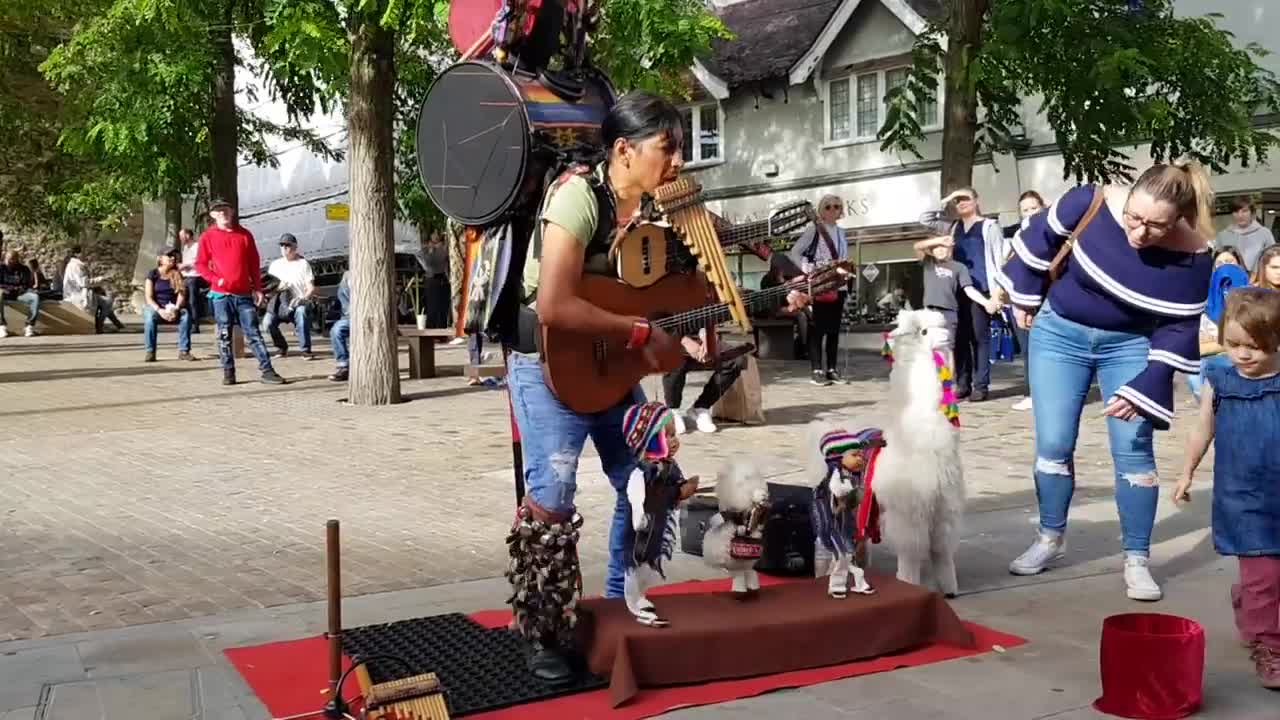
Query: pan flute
x=681 y=202
x=420 y=697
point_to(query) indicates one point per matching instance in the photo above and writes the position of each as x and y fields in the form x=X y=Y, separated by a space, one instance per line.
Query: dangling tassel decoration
x=948 y=405
x=886 y=351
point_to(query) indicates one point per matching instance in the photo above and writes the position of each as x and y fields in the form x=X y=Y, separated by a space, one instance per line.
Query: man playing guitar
x=643 y=137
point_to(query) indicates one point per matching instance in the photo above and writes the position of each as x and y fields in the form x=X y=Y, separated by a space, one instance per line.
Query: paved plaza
x=152 y=517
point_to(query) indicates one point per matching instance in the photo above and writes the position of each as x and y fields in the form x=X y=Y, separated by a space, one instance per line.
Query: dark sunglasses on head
x=831 y=207
x=963 y=198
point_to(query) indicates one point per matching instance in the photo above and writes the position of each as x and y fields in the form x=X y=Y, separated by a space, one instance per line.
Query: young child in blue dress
x=1240 y=414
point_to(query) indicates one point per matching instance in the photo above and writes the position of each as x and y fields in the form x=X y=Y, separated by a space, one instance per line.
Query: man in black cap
x=293 y=299
x=228 y=259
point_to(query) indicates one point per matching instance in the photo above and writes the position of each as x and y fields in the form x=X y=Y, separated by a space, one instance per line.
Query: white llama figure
x=918 y=481
x=735 y=535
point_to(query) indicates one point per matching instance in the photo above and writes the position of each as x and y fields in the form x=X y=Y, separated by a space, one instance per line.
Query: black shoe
x=229 y=377
x=149 y=357
x=339 y=375
x=282 y=352
x=979 y=396
x=308 y=355
x=834 y=376
x=963 y=395
x=270 y=377
x=819 y=378
x=551 y=667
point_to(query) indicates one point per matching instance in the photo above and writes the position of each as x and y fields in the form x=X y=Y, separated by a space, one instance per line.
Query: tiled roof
x=771 y=35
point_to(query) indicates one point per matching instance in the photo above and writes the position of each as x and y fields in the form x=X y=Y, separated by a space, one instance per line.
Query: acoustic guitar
x=590 y=374
x=648 y=251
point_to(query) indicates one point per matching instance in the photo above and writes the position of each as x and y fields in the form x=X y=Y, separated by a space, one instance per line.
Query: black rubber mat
x=481 y=669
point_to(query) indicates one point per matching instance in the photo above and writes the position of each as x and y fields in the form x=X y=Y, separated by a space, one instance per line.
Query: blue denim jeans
x=151 y=322
x=30 y=298
x=232 y=310
x=301 y=328
x=1065 y=358
x=340 y=338
x=552 y=438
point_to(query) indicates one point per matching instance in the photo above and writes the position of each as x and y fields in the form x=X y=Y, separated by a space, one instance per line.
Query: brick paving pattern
x=137 y=493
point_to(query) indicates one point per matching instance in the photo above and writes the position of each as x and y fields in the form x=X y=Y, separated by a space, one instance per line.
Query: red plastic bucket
x=1152 y=666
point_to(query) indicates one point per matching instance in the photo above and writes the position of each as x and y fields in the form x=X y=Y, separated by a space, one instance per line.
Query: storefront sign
x=871 y=272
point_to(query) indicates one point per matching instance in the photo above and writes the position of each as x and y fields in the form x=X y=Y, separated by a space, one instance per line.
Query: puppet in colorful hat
x=842 y=505
x=654 y=491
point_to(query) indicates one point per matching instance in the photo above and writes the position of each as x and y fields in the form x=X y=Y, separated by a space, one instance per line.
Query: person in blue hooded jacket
x=1228 y=274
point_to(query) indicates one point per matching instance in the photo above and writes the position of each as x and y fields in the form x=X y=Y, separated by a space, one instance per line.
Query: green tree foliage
x=1108 y=74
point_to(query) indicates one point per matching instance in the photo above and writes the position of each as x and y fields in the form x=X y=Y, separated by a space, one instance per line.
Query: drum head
x=469 y=19
x=473 y=143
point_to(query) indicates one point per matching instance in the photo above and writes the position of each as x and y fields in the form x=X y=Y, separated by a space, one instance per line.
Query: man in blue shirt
x=979 y=246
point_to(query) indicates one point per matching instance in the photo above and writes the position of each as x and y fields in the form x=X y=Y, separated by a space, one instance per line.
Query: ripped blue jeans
x=552 y=437
x=1065 y=358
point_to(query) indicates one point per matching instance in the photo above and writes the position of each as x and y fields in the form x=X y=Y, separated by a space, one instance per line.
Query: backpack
x=495 y=297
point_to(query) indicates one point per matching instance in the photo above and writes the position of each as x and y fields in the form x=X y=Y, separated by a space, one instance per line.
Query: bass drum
x=487 y=137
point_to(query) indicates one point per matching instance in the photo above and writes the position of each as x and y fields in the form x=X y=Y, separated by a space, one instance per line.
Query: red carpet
x=290 y=677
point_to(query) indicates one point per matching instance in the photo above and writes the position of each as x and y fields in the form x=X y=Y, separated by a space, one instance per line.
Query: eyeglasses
x=1155 y=228
x=831 y=207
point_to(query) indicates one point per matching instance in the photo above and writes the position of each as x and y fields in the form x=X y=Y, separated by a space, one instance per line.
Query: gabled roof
x=776 y=39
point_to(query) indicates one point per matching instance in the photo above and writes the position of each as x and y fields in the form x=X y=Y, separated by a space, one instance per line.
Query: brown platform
x=792 y=626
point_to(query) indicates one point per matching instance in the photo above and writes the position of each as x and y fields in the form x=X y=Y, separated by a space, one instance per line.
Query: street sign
x=337 y=212
x=871 y=272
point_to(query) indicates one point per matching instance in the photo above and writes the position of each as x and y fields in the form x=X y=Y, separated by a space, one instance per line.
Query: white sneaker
x=1043 y=552
x=1023 y=404
x=677 y=418
x=29 y=332
x=1138 y=581
x=702 y=418
x=4 y=331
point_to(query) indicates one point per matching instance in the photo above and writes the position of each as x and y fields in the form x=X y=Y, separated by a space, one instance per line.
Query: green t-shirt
x=571 y=205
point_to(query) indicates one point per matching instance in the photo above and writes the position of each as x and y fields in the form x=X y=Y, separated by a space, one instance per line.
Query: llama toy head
x=921 y=381
x=918 y=334
x=739 y=485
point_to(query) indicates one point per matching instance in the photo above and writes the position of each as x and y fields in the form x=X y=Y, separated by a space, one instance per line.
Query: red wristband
x=640 y=331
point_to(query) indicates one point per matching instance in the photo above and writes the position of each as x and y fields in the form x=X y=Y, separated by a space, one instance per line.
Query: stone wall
x=109 y=254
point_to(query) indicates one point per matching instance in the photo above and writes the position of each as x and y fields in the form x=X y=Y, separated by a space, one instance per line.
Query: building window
x=860 y=119
x=703 y=139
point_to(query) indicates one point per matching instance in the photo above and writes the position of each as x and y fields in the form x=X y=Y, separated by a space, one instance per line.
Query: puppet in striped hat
x=655 y=489
x=841 y=507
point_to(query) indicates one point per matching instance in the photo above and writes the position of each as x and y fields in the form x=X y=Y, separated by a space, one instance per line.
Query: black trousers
x=1024 y=346
x=721 y=380
x=973 y=348
x=825 y=330
x=437 y=287
x=194 y=285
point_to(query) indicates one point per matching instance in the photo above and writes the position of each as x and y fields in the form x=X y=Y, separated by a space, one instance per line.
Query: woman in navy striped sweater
x=1126 y=311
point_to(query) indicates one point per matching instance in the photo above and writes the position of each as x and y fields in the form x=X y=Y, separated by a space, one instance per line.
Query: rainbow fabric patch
x=948 y=404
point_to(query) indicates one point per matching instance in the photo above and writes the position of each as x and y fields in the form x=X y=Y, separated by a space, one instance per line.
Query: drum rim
x=526 y=126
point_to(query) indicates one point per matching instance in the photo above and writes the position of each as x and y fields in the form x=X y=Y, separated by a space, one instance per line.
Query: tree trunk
x=172 y=218
x=960 y=104
x=375 y=376
x=224 y=126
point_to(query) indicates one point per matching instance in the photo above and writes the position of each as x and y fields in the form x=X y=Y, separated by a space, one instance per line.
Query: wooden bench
x=422 y=349
x=57 y=317
x=774 y=338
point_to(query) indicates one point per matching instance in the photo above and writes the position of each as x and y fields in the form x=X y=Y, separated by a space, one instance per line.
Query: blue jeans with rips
x=232 y=310
x=552 y=438
x=151 y=322
x=1065 y=357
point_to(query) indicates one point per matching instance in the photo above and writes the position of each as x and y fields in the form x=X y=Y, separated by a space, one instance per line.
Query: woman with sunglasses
x=821 y=244
x=1125 y=310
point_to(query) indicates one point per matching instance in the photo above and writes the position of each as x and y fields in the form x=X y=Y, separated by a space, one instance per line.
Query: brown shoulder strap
x=1059 y=260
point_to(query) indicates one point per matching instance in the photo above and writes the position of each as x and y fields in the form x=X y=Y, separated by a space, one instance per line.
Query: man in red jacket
x=228 y=260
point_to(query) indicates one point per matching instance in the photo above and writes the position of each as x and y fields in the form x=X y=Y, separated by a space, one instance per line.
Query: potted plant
x=414 y=288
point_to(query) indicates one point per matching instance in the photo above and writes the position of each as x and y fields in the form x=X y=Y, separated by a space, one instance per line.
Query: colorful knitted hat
x=836 y=443
x=643 y=427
